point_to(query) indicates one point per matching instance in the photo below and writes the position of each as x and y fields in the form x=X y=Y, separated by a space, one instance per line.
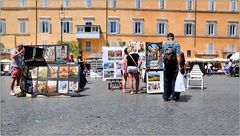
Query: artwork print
x=114 y=54
x=53 y=71
x=42 y=87
x=62 y=86
x=61 y=53
x=154 y=60
x=49 y=54
x=73 y=86
x=63 y=71
x=73 y=71
x=108 y=74
x=108 y=65
x=153 y=76
x=52 y=86
x=153 y=87
x=32 y=73
x=42 y=72
x=155 y=81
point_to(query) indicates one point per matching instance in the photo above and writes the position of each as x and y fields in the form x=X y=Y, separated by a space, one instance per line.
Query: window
x=113 y=44
x=188 y=53
x=233 y=4
x=1 y=3
x=67 y=26
x=138 y=27
x=88 y=3
x=22 y=23
x=66 y=3
x=44 y=25
x=232 y=29
x=189 y=27
x=189 y=4
x=210 y=48
x=138 y=3
x=113 y=26
x=211 y=28
x=211 y=5
x=44 y=3
x=161 y=4
x=162 y=27
x=88 y=46
x=2 y=27
x=22 y=3
x=231 y=48
x=113 y=3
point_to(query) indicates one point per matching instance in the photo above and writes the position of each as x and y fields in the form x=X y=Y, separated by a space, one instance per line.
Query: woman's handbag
x=179 y=84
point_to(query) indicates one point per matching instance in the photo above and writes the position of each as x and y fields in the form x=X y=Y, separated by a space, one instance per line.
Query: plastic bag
x=179 y=84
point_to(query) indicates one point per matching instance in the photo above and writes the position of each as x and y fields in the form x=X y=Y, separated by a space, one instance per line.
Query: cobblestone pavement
x=214 y=111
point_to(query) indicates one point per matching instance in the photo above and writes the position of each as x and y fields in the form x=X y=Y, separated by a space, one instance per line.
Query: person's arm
x=14 y=55
x=140 y=61
x=126 y=63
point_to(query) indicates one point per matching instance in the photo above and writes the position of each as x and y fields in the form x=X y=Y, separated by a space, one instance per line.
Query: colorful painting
x=153 y=75
x=62 y=86
x=73 y=71
x=42 y=72
x=141 y=47
x=108 y=65
x=32 y=86
x=61 y=53
x=42 y=87
x=73 y=86
x=53 y=71
x=49 y=54
x=52 y=86
x=153 y=57
x=114 y=54
x=111 y=55
x=118 y=65
x=63 y=71
x=32 y=72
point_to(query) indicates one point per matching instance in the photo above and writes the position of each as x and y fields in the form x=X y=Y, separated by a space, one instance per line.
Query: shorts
x=16 y=72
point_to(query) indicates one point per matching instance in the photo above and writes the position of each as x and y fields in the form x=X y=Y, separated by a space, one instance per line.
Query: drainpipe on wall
x=36 y=23
x=195 y=33
x=106 y=22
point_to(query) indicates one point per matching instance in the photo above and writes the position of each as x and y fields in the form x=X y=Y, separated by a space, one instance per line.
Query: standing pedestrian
x=82 y=79
x=171 y=57
x=16 y=67
x=209 y=69
x=133 y=62
x=71 y=58
x=124 y=70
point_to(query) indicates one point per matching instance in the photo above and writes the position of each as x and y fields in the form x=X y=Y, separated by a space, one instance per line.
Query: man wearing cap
x=170 y=70
x=16 y=67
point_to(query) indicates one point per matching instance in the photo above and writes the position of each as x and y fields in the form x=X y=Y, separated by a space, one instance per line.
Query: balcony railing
x=88 y=31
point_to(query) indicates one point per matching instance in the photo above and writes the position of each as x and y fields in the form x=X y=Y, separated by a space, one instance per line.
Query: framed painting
x=73 y=86
x=53 y=71
x=52 y=86
x=42 y=87
x=62 y=53
x=63 y=87
x=73 y=71
x=42 y=72
x=63 y=71
x=50 y=54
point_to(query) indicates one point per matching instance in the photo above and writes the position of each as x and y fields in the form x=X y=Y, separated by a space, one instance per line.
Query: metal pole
x=195 y=33
x=36 y=24
x=106 y=22
x=61 y=31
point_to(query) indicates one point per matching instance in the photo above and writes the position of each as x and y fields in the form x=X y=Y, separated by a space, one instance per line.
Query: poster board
x=140 y=48
x=155 y=81
x=112 y=61
x=153 y=56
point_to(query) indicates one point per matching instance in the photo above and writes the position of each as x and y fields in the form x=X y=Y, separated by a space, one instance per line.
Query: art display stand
x=154 y=68
x=46 y=71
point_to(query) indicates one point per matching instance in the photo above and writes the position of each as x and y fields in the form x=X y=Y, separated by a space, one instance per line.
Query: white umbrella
x=235 y=56
x=220 y=60
x=5 y=61
x=196 y=60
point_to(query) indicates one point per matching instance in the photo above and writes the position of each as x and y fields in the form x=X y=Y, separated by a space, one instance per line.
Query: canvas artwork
x=63 y=71
x=111 y=55
x=49 y=54
x=153 y=76
x=53 y=71
x=42 y=87
x=42 y=72
x=62 y=86
x=118 y=54
x=114 y=54
x=52 y=86
x=153 y=58
x=108 y=65
x=32 y=86
x=73 y=86
x=108 y=74
x=61 y=53
x=141 y=47
x=118 y=64
x=33 y=71
x=73 y=71
x=153 y=87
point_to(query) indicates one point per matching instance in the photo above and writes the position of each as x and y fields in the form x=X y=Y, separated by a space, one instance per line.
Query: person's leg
x=166 y=85
x=19 y=72
x=136 y=76
x=173 y=78
x=12 y=82
x=130 y=76
x=124 y=79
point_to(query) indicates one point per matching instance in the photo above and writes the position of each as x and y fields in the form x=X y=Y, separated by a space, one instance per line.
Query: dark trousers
x=170 y=76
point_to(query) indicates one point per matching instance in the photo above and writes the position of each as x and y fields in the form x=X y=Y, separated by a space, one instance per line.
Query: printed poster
x=153 y=56
x=155 y=82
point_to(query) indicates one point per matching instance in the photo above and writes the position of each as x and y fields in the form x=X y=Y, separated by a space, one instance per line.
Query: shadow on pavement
x=185 y=98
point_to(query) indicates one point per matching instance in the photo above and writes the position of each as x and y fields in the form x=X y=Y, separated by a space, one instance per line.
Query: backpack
x=169 y=56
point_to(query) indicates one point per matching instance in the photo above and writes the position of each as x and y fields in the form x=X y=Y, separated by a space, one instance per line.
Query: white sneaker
x=12 y=93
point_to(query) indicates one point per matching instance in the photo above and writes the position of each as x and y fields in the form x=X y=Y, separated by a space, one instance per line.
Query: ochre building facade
x=204 y=28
